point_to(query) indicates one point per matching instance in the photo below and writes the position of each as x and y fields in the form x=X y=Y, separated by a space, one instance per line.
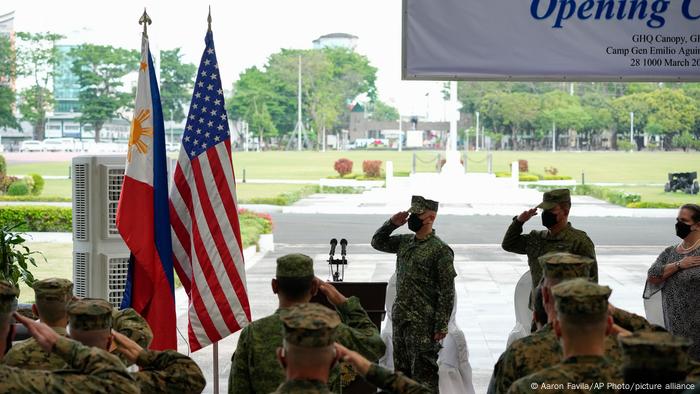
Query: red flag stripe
x=216 y=250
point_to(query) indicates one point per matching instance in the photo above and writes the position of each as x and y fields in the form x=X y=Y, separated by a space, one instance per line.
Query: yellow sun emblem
x=138 y=131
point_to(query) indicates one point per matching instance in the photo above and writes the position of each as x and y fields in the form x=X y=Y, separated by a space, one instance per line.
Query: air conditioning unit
x=100 y=257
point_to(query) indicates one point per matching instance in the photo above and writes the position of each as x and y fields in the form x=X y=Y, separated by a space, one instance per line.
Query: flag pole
x=215 y=349
x=145 y=20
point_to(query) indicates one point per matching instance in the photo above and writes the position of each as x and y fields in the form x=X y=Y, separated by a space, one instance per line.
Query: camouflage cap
x=8 y=297
x=295 y=265
x=555 y=197
x=563 y=266
x=309 y=325
x=419 y=205
x=655 y=351
x=130 y=323
x=90 y=314
x=53 y=289
x=580 y=296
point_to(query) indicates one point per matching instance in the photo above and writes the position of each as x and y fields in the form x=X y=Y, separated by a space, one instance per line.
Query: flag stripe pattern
x=143 y=218
x=207 y=248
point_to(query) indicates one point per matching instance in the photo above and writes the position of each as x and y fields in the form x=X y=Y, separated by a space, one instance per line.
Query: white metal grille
x=80 y=202
x=115 y=177
x=116 y=280
x=80 y=261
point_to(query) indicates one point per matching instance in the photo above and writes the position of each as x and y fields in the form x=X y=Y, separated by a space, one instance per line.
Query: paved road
x=358 y=229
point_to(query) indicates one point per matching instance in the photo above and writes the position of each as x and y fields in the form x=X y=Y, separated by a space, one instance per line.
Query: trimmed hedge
x=287 y=198
x=18 y=188
x=38 y=184
x=613 y=196
x=36 y=198
x=557 y=178
x=651 y=204
x=253 y=224
x=37 y=218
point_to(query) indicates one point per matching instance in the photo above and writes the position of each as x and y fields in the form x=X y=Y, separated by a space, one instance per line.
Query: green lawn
x=247 y=191
x=59 y=265
x=57 y=188
x=53 y=168
x=623 y=167
x=619 y=167
x=656 y=194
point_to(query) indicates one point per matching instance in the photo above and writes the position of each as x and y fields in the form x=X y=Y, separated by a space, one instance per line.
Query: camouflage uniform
x=424 y=295
x=308 y=326
x=53 y=293
x=394 y=382
x=581 y=299
x=657 y=357
x=541 y=242
x=542 y=349
x=160 y=371
x=91 y=370
x=254 y=366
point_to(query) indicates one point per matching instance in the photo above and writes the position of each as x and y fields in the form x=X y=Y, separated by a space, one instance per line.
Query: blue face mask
x=414 y=223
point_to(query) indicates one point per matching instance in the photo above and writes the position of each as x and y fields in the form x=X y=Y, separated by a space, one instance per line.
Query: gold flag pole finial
x=209 y=19
x=145 y=20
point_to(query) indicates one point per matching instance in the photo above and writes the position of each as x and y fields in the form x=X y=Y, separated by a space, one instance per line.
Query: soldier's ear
x=275 y=286
x=281 y=358
x=557 y=327
x=609 y=325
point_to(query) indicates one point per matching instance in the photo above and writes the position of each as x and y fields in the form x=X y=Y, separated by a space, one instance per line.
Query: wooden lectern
x=372 y=297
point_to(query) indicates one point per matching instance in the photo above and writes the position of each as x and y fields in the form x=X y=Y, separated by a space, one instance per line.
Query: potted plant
x=15 y=256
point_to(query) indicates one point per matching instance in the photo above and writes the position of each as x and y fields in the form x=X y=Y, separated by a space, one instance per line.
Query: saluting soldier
x=254 y=368
x=309 y=350
x=425 y=290
x=560 y=235
x=89 y=369
x=51 y=299
x=91 y=322
x=582 y=324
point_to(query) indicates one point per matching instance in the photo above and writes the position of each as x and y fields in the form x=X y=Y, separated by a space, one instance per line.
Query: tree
x=255 y=101
x=510 y=110
x=176 y=80
x=37 y=57
x=100 y=70
x=332 y=78
x=382 y=111
x=7 y=72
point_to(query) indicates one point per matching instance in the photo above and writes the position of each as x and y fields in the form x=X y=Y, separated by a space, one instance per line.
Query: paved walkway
x=485 y=284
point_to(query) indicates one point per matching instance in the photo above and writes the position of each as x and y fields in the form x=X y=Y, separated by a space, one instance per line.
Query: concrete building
x=336 y=40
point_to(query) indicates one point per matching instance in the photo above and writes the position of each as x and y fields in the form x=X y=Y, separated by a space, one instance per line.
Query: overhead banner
x=555 y=40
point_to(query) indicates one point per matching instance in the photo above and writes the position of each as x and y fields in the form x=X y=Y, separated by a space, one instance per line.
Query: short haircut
x=696 y=211
x=540 y=311
x=51 y=312
x=295 y=288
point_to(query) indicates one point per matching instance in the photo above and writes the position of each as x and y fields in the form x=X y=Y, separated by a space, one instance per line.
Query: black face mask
x=414 y=223
x=549 y=219
x=682 y=230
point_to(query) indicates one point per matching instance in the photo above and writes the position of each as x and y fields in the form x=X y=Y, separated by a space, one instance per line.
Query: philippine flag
x=143 y=214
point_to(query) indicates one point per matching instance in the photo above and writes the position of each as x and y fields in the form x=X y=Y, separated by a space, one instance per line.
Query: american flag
x=206 y=234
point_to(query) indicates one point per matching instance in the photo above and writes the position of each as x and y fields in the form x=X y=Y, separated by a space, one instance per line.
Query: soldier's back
x=579 y=374
x=29 y=355
x=303 y=387
x=258 y=357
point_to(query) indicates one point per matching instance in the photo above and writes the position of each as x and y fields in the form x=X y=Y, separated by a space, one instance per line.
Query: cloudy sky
x=245 y=33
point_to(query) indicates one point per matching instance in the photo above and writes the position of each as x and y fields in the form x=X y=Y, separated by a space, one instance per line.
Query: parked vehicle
x=31 y=146
x=54 y=145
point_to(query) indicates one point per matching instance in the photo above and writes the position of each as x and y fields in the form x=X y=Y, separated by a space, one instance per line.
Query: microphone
x=334 y=242
x=343 y=245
